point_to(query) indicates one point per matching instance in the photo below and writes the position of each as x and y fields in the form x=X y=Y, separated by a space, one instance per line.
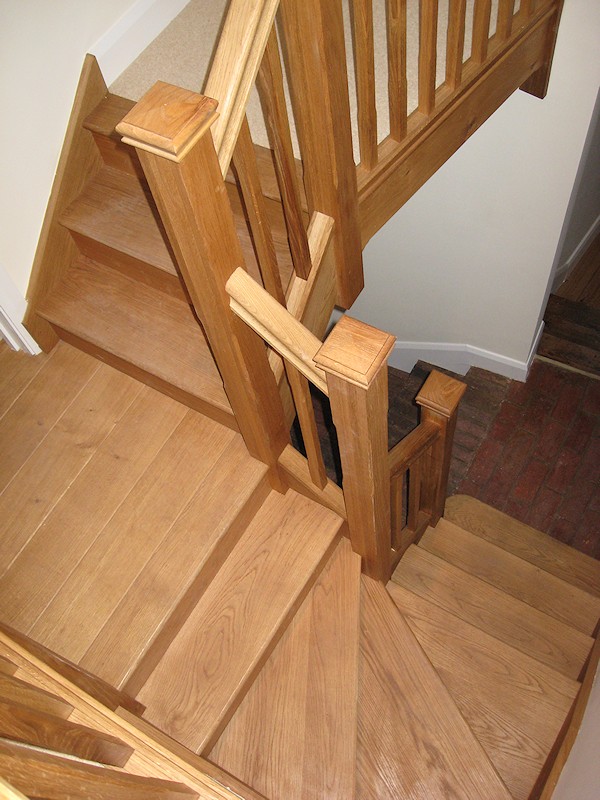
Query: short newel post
x=354 y=357
x=439 y=399
x=170 y=128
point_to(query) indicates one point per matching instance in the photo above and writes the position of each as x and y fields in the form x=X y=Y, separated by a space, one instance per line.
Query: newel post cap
x=168 y=121
x=355 y=351
x=441 y=393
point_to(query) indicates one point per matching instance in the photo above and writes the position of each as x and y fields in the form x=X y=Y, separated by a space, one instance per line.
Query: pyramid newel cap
x=168 y=121
x=355 y=351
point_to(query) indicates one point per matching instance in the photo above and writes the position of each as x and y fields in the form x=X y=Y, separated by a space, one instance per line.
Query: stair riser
x=130 y=265
x=118 y=155
x=157 y=646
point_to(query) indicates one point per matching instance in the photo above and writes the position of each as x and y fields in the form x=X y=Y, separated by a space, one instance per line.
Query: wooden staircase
x=239 y=617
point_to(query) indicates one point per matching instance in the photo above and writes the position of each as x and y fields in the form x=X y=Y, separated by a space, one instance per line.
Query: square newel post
x=439 y=399
x=170 y=128
x=354 y=356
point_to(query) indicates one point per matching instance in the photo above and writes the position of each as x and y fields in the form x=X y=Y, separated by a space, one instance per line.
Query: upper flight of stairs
x=121 y=297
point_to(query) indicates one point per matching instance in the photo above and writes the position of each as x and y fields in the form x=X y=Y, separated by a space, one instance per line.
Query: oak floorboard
x=214 y=659
x=514 y=705
x=524 y=541
x=513 y=575
x=74 y=617
x=510 y=620
x=412 y=740
x=70 y=443
x=40 y=405
x=302 y=707
x=43 y=565
x=174 y=577
x=17 y=370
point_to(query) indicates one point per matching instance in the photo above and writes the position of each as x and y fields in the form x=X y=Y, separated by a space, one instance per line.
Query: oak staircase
x=267 y=633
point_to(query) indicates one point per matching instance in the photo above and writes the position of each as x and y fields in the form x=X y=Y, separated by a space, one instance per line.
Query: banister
x=276 y=325
x=235 y=65
x=412 y=447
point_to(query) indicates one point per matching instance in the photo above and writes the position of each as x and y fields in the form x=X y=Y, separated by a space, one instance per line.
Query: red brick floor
x=540 y=458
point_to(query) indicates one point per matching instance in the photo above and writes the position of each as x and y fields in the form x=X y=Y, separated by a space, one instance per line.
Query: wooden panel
x=198 y=543
x=40 y=774
x=79 y=160
x=157 y=334
x=455 y=42
x=14 y=690
x=514 y=576
x=22 y=724
x=521 y=540
x=311 y=676
x=141 y=524
x=41 y=404
x=270 y=83
x=514 y=705
x=510 y=620
x=236 y=624
x=412 y=740
x=428 y=17
x=47 y=560
x=397 y=84
x=402 y=170
x=71 y=442
x=364 y=66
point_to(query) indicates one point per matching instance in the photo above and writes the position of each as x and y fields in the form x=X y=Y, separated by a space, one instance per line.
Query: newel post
x=439 y=399
x=170 y=128
x=354 y=357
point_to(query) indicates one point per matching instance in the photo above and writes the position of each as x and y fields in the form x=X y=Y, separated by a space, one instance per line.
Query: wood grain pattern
x=524 y=541
x=236 y=624
x=455 y=42
x=513 y=704
x=510 y=620
x=514 y=576
x=482 y=12
x=397 y=82
x=308 y=426
x=15 y=690
x=18 y=370
x=428 y=16
x=298 y=477
x=404 y=708
x=364 y=67
x=311 y=676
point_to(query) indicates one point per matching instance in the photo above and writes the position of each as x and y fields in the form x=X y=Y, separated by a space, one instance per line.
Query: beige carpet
x=182 y=53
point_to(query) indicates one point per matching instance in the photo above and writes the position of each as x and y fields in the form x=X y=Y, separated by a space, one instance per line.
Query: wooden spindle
x=482 y=14
x=527 y=8
x=246 y=169
x=270 y=83
x=364 y=67
x=354 y=356
x=505 y=18
x=455 y=42
x=428 y=18
x=397 y=83
x=308 y=426
x=322 y=116
x=170 y=129
x=439 y=399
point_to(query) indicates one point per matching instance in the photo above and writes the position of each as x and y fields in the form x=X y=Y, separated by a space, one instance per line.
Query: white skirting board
x=460 y=357
x=132 y=33
x=563 y=270
x=12 y=310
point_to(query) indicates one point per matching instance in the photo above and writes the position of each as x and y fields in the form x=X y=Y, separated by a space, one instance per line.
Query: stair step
x=513 y=575
x=521 y=540
x=303 y=704
x=515 y=706
x=412 y=740
x=155 y=605
x=232 y=631
x=510 y=620
x=140 y=330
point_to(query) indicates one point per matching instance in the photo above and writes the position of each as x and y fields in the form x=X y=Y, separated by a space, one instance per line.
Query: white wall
x=467 y=260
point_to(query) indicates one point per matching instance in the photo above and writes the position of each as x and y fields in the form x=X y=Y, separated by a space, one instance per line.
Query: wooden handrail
x=235 y=65
x=276 y=326
x=412 y=447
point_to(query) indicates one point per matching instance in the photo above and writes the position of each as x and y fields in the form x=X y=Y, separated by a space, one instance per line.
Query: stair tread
x=118 y=211
x=213 y=660
x=510 y=620
x=140 y=325
x=514 y=705
x=524 y=541
x=412 y=740
x=513 y=575
x=311 y=676
x=176 y=573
